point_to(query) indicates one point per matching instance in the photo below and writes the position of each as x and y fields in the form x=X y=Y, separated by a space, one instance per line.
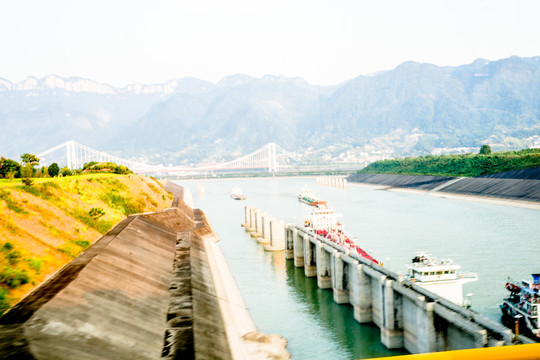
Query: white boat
x=441 y=277
x=237 y=194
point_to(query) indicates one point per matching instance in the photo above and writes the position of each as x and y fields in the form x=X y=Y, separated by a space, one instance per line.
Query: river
x=494 y=241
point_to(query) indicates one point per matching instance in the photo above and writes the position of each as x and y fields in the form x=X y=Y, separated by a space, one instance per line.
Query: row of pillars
x=407 y=318
x=267 y=230
x=332 y=181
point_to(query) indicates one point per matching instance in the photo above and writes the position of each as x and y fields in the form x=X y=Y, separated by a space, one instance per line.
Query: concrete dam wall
x=513 y=185
x=155 y=286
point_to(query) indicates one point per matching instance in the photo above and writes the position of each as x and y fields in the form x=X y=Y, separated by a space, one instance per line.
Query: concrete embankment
x=155 y=286
x=517 y=187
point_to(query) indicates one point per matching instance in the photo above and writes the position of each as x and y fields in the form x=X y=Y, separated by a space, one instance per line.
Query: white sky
x=325 y=42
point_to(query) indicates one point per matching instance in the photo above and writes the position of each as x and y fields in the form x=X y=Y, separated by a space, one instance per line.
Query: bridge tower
x=272 y=159
x=71 y=154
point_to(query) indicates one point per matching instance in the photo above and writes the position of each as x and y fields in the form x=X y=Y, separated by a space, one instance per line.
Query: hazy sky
x=325 y=42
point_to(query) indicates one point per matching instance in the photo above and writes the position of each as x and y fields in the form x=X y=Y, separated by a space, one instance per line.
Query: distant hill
x=414 y=109
x=523 y=164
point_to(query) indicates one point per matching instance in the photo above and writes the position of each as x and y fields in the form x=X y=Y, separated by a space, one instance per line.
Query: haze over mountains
x=414 y=109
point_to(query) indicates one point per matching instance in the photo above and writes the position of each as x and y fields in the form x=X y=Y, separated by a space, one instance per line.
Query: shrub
x=13 y=278
x=35 y=264
x=27 y=181
x=96 y=213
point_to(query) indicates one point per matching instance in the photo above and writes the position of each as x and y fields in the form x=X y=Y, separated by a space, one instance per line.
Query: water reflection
x=356 y=340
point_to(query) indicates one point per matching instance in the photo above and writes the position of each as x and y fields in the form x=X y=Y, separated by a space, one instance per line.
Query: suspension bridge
x=269 y=158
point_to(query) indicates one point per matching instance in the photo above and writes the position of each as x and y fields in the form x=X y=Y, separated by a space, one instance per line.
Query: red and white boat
x=323 y=221
x=237 y=194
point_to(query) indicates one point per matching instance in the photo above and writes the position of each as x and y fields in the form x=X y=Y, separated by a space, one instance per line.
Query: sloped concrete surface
x=513 y=185
x=155 y=286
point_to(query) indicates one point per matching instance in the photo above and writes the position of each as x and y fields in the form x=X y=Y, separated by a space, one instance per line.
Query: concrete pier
x=408 y=315
x=332 y=181
x=277 y=236
x=266 y=236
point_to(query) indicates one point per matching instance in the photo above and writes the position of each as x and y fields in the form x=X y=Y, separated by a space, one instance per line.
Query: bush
x=54 y=170
x=13 y=278
x=27 y=181
x=96 y=213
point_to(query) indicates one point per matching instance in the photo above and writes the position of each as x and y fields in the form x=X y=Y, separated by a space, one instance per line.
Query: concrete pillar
x=298 y=243
x=251 y=226
x=246 y=216
x=277 y=236
x=257 y=226
x=339 y=278
x=377 y=294
x=391 y=327
x=265 y=237
x=324 y=280
x=310 y=265
x=426 y=337
x=345 y=184
x=360 y=293
x=289 y=242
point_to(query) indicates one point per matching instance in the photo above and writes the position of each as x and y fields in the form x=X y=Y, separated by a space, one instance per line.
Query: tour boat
x=522 y=304
x=441 y=277
x=307 y=196
x=237 y=194
x=323 y=222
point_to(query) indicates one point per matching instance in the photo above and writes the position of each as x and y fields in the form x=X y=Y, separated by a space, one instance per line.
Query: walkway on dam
x=155 y=286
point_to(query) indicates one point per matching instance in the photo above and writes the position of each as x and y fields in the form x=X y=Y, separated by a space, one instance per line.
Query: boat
x=323 y=222
x=237 y=194
x=440 y=276
x=522 y=305
x=307 y=196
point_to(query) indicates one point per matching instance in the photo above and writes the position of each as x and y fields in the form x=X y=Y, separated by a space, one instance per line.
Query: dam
x=283 y=301
x=155 y=286
x=408 y=315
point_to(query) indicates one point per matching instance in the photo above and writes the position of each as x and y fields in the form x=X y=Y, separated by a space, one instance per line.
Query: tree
x=29 y=159
x=8 y=166
x=485 y=150
x=54 y=170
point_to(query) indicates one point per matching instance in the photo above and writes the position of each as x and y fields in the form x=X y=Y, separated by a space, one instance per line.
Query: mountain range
x=414 y=109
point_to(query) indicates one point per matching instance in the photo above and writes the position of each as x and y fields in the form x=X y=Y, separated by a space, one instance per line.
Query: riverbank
x=501 y=190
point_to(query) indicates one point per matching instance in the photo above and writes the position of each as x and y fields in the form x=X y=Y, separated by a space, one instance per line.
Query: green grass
x=73 y=248
x=5 y=195
x=42 y=189
x=102 y=226
x=123 y=203
x=457 y=165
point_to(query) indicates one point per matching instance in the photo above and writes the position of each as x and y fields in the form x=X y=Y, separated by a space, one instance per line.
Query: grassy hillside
x=457 y=165
x=45 y=225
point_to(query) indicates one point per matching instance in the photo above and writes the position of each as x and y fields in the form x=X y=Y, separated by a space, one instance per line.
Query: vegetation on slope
x=47 y=223
x=458 y=165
